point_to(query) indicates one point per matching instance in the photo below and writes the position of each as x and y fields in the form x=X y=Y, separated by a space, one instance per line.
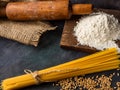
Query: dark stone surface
x=15 y=57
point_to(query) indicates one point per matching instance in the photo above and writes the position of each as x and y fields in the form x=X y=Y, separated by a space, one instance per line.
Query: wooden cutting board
x=68 y=40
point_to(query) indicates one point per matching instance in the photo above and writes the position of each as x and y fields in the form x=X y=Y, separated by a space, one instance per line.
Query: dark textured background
x=15 y=57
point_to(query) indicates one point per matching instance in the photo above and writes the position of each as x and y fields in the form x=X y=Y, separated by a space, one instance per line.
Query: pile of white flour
x=98 y=30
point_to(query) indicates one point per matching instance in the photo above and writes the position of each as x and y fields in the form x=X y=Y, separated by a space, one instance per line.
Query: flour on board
x=98 y=30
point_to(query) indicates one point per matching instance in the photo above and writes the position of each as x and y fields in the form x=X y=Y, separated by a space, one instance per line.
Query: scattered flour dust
x=99 y=30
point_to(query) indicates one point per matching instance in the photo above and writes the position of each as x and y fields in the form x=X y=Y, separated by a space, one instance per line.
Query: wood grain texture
x=41 y=10
x=68 y=40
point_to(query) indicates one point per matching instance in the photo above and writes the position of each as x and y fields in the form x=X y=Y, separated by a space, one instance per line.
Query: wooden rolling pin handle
x=44 y=10
x=80 y=9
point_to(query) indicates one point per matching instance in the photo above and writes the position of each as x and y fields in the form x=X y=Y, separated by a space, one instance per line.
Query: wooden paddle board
x=68 y=40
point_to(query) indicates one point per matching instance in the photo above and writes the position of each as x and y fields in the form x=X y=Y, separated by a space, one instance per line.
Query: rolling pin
x=45 y=10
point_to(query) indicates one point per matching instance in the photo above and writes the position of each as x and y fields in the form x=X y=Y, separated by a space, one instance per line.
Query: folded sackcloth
x=28 y=32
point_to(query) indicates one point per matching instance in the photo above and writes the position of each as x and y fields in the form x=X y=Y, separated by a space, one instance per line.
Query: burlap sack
x=24 y=32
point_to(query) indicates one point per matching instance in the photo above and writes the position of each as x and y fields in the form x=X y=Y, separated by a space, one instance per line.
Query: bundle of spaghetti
x=100 y=61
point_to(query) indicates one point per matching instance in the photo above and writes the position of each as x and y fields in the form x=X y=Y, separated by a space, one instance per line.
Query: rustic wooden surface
x=68 y=40
x=15 y=57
